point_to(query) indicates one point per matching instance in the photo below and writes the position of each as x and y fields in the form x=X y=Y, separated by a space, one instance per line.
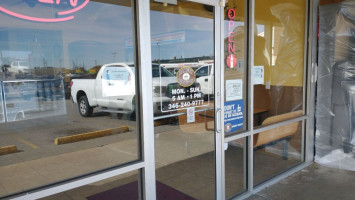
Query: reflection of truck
x=113 y=90
x=205 y=77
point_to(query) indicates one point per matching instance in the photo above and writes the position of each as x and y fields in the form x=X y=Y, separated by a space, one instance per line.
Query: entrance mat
x=130 y=192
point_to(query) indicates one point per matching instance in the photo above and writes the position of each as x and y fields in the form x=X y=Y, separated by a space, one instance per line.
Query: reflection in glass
x=235 y=67
x=2 y=109
x=31 y=99
x=183 y=43
x=235 y=162
x=123 y=187
x=277 y=150
x=59 y=132
x=278 y=58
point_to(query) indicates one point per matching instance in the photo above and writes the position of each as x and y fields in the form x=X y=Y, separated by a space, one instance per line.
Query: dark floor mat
x=130 y=192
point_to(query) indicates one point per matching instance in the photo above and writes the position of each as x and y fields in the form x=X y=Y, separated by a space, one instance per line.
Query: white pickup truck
x=205 y=77
x=114 y=88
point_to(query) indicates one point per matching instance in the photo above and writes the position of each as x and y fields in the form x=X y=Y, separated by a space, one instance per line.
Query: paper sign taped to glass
x=258 y=75
x=234 y=89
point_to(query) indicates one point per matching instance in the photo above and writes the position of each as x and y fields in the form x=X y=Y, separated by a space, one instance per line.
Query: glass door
x=235 y=92
x=185 y=99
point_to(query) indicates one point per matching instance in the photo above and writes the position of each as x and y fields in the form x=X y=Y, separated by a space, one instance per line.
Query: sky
x=97 y=35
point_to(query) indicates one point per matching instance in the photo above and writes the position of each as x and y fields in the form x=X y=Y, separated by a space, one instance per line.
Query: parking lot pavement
x=39 y=161
x=34 y=138
x=52 y=168
x=37 y=172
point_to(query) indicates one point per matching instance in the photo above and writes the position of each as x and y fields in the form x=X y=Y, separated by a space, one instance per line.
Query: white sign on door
x=234 y=89
x=258 y=75
x=190 y=114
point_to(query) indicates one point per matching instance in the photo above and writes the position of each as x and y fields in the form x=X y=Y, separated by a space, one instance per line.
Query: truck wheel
x=84 y=108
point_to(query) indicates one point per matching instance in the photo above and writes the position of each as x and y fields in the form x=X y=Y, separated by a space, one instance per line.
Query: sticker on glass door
x=233 y=116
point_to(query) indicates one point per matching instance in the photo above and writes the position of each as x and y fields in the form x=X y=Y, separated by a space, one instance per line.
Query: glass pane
x=235 y=162
x=183 y=44
x=235 y=107
x=278 y=69
x=277 y=150
x=50 y=52
x=123 y=187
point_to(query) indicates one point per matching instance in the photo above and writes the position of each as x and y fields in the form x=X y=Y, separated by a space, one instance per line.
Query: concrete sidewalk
x=313 y=183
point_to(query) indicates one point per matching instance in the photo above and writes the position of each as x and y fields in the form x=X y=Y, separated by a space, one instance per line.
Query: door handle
x=218 y=122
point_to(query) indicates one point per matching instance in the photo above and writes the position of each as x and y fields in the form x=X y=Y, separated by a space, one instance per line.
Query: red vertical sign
x=231 y=58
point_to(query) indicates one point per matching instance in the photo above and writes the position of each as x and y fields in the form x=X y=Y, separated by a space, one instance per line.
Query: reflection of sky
x=198 y=35
x=95 y=36
x=21 y=55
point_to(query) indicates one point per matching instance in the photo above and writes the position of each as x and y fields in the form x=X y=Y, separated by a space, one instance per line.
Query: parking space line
x=27 y=143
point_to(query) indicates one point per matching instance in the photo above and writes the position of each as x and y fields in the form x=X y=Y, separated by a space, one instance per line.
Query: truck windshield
x=163 y=72
x=203 y=71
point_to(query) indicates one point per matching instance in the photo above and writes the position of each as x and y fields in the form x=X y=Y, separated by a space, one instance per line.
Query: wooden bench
x=280 y=134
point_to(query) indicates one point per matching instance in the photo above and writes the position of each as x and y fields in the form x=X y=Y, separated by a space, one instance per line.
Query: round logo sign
x=186 y=76
x=231 y=61
x=228 y=127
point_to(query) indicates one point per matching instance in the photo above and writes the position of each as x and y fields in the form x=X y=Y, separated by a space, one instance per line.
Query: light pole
x=114 y=56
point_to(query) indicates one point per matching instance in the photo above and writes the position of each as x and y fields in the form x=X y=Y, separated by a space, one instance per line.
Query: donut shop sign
x=65 y=9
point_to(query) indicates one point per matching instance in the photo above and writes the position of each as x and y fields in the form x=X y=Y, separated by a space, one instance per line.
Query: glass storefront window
x=278 y=69
x=277 y=150
x=70 y=98
x=235 y=162
x=183 y=43
x=68 y=90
